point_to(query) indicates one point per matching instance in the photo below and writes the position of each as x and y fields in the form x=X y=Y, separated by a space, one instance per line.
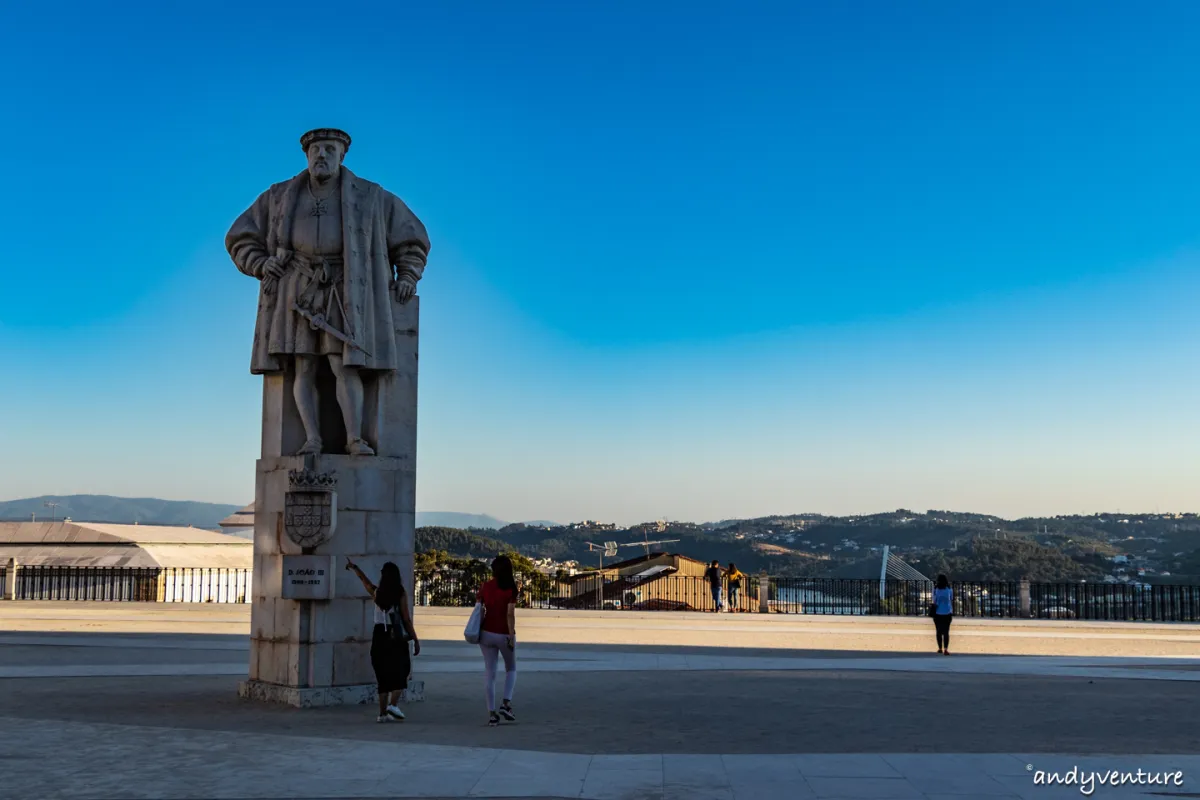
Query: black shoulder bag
x=396 y=626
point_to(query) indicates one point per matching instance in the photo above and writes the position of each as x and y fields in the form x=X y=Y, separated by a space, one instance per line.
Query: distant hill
x=152 y=511
x=120 y=510
x=458 y=519
x=1158 y=547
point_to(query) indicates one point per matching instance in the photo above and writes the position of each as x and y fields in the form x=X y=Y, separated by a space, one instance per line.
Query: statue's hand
x=273 y=269
x=404 y=288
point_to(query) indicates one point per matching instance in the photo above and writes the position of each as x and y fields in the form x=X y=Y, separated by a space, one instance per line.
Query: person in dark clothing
x=389 y=654
x=943 y=613
x=713 y=574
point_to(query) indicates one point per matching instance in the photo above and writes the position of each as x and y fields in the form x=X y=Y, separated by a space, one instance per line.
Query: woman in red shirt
x=498 y=635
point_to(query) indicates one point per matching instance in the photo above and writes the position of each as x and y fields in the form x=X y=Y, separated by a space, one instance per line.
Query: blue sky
x=691 y=260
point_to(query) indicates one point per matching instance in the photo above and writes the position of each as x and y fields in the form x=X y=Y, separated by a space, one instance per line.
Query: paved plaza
x=139 y=701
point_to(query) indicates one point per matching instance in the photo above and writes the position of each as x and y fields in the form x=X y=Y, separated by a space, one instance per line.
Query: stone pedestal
x=309 y=653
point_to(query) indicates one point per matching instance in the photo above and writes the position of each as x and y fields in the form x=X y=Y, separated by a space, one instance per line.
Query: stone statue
x=328 y=248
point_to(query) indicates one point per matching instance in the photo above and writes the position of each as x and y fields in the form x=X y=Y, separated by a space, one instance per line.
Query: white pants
x=494 y=645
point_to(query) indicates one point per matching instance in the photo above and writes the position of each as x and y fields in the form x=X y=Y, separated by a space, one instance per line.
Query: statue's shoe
x=311 y=448
x=358 y=447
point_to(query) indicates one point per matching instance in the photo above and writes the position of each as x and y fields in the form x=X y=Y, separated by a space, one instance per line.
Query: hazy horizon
x=693 y=263
x=604 y=519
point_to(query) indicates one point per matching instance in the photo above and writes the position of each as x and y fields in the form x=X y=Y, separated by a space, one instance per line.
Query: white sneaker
x=395 y=712
x=383 y=718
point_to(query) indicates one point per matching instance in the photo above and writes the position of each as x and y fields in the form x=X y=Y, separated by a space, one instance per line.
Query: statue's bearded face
x=325 y=160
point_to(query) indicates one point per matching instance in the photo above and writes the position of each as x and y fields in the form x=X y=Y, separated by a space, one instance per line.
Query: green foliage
x=1008 y=560
x=458 y=542
x=535 y=587
x=447 y=580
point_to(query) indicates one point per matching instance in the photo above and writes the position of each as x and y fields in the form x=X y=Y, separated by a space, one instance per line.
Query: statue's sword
x=318 y=322
x=315 y=321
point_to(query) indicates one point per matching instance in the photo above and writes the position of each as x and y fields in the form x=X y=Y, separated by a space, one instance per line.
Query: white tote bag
x=474 y=624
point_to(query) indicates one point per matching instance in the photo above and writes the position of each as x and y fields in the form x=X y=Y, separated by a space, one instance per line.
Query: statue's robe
x=379 y=232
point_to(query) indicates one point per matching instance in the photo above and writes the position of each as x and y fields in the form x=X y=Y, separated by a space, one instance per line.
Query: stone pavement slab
x=688 y=712
x=674 y=629
x=100 y=655
x=833 y=633
x=148 y=713
x=43 y=671
x=111 y=762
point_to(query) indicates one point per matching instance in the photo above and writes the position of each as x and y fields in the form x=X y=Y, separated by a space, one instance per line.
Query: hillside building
x=654 y=582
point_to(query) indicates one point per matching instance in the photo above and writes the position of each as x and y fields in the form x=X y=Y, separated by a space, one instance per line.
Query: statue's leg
x=350 y=398
x=304 y=390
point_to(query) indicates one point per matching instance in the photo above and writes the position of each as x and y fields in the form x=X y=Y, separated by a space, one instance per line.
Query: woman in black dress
x=389 y=640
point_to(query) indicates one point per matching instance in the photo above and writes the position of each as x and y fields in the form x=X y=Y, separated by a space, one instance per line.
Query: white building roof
x=243 y=518
x=103 y=545
x=652 y=571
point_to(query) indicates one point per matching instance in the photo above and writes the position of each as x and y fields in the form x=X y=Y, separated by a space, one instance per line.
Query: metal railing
x=661 y=593
x=850 y=596
x=1097 y=601
x=590 y=591
x=859 y=596
x=670 y=592
x=131 y=584
x=205 y=585
x=87 y=583
x=1089 y=601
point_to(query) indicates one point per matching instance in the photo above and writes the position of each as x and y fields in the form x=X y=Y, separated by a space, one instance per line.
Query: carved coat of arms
x=310 y=507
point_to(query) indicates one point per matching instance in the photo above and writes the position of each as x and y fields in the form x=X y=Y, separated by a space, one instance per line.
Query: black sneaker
x=493 y=720
x=506 y=711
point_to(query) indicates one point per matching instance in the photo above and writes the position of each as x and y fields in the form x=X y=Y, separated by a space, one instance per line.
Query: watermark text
x=1088 y=781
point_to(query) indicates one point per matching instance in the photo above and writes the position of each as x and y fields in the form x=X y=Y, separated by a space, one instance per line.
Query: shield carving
x=310 y=507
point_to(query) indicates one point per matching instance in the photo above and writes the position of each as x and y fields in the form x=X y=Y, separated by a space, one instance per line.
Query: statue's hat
x=324 y=134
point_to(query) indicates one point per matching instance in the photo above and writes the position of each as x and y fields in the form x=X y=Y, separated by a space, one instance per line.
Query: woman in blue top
x=943 y=613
